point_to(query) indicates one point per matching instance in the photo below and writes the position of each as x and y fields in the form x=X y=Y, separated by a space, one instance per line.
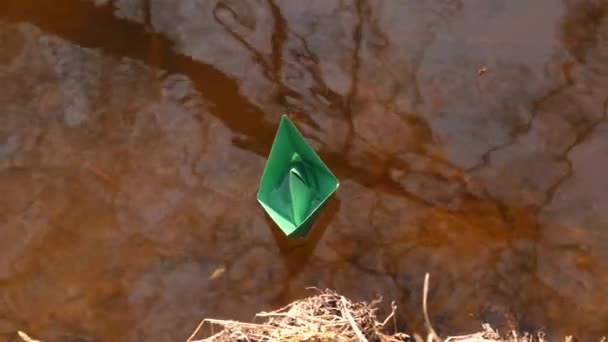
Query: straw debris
x=490 y=335
x=323 y=317
x=329 y=316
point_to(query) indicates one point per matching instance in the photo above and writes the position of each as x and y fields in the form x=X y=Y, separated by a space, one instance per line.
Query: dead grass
x=323 y=317
x=329 y=316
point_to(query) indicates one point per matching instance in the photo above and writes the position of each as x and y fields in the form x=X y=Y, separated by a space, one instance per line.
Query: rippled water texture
x=470 y=139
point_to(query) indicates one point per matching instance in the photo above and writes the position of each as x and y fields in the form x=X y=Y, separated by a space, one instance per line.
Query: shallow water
x=470 y=139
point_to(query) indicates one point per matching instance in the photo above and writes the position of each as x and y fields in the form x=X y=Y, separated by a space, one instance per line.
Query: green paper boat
x=296 y=183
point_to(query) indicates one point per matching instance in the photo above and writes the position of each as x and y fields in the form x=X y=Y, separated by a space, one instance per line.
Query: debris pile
x=323 y=317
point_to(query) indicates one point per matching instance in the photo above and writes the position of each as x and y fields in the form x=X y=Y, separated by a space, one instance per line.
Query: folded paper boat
x=295 y=184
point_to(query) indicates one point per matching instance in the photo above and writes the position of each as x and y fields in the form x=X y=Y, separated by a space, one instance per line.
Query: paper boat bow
x=295 y=184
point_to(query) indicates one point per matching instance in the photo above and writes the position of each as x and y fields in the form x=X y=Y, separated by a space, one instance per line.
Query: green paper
x=295 y=184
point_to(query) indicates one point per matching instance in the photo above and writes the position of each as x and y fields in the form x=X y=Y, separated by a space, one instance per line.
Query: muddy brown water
x=470 y=138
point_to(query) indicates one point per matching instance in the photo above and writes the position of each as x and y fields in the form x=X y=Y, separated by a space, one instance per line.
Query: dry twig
x=432 y=334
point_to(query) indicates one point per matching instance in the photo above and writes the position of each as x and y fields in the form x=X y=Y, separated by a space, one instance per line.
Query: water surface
x=470 y=139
